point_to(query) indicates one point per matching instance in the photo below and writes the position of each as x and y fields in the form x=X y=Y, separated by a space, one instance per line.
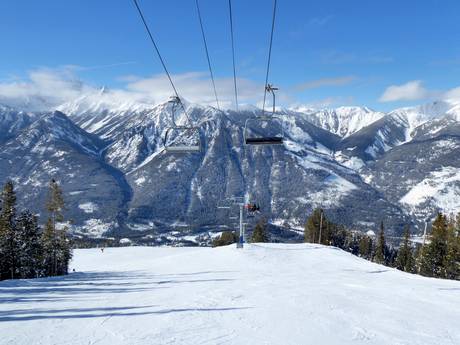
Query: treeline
x=439 y=257
x=26 y=249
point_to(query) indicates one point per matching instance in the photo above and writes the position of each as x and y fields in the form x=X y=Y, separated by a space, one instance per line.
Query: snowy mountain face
x=360 y=166
x=344 y=121
x=12 y=122
x=54 y=147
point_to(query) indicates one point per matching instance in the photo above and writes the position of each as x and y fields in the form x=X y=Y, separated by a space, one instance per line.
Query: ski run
x=264 y=294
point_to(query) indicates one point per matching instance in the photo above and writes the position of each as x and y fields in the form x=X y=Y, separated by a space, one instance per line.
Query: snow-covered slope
x=12 y=122
x=343 y=121
x=422 y=175
x=440 y=188
x=413 y=117
x=263 y=294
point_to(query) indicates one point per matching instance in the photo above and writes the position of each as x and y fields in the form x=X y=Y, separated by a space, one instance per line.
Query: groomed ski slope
x=264 y=294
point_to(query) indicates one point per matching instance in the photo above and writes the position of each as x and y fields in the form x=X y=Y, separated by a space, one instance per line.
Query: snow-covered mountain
x=361 y=166
x=343 y=121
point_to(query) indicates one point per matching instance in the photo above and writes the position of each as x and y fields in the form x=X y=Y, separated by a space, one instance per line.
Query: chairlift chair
x=177 y=144
x=174 y=147
x=269 y=120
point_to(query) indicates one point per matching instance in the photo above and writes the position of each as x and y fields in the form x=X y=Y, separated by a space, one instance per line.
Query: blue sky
x=383 y=54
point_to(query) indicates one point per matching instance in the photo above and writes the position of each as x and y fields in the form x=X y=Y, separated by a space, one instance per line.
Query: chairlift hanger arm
x=270 y=88
x=157 y=50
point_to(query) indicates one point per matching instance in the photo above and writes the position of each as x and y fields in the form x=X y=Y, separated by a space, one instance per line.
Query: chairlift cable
x=159 y=56
x=233 y=54
x=207 y=53
x=269 y=55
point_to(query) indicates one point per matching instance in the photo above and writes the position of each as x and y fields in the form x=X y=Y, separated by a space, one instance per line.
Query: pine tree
x=315 y=223
x=2 y=241
x=225 y=239
x=379 y=256
x=30 y=249
x=49 y=247
x=365 y=247
x=260 y=234
x=452 y=259
x=8 y=233
x=339 y=237
x=405 y=260
x=433 y=254
x=56 y=246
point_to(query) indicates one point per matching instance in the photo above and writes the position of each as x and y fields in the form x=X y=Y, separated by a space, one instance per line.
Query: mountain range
x=361 y=166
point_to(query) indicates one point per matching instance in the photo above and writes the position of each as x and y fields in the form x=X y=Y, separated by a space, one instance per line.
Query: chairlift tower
x=239 y=201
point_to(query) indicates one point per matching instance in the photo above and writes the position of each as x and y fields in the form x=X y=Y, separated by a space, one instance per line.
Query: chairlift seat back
x=272 y=135
x=177 y=144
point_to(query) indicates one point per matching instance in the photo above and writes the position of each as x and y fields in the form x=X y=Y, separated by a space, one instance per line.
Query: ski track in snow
x=263 y=294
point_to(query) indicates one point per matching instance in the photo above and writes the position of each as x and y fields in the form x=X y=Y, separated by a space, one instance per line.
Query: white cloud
x=453 y=94
x=414 y=90
x=42 y=89
x=196 y=87
x=46 y=89
x=410 y=91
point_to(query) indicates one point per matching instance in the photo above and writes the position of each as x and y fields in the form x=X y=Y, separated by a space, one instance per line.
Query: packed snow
x=263 y=294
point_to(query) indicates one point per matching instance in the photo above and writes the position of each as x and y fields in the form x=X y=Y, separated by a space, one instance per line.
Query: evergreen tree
x=9 y=245
x=433 y=254
x=365 y=247
x=391 y=254
x=457 y=225
x=49 y=248
x=316 y=222
x=2 y=242
x=405 y=260
x=260 y=232
x=30 y=249
x=56 y=245
x=379 y=256
x=64 y=253
x=339 y=237
x=225 y=239
x=452 y=259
